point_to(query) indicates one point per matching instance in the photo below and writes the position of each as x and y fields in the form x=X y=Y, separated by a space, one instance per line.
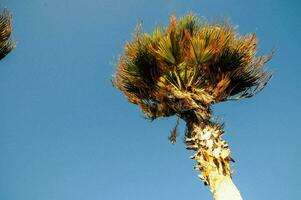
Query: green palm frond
x=165 y=49
x=189 y=23
x=163 y=71
x=6 y=44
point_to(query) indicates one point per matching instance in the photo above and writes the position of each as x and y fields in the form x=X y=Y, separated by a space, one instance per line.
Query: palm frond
x=174 y=133
x=6 y=43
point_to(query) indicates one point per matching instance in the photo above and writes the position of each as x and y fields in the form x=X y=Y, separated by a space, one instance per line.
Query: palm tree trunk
x=223 y=188
x=212 y=157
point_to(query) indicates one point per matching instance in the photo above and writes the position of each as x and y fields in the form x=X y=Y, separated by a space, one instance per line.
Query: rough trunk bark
x=212 y=155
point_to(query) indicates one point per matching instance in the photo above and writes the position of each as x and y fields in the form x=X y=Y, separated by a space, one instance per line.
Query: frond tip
x=188 y=64
x=6 y=43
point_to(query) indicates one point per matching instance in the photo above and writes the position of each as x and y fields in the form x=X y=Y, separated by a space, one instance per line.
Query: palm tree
x=6 y=44
x=182 y=70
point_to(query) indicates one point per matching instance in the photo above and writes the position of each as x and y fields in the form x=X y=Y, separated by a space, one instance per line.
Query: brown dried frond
x=174 y=133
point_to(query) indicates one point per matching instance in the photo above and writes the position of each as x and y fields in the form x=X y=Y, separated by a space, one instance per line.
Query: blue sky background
x=66 y=134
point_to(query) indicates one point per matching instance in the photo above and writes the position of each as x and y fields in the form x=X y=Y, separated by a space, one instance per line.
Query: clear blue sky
x=66 y=134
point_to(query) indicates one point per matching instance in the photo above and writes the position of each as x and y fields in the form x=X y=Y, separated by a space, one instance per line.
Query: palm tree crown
x=189 y=64
x=6 y=44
